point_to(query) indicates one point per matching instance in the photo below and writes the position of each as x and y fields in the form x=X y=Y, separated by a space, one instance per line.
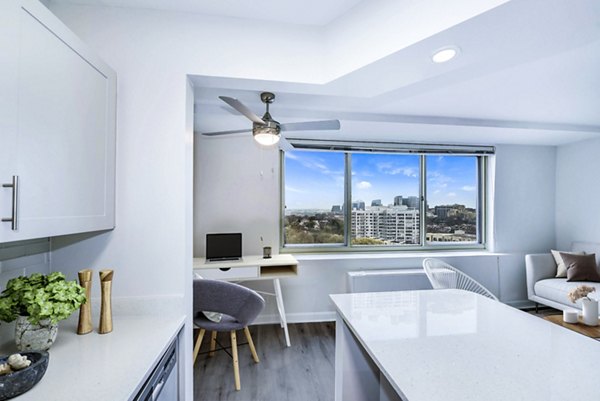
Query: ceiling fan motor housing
x=269 y=127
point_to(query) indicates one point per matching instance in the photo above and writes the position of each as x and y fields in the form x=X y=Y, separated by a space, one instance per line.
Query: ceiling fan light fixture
x=444 y=54
x=266 y=136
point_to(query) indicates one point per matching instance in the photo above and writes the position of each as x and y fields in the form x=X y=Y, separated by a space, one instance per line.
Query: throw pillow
x=561 y=269
x=581 y=267
x=212 y=316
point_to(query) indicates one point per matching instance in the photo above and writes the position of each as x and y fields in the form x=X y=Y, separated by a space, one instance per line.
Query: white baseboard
x=297 y=318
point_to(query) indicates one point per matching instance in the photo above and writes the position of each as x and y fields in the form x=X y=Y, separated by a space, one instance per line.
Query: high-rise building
x=336 y=209
x=393 y=225
x=411 y=201
x=358 y=205
x=398 y=200
x=376 y=202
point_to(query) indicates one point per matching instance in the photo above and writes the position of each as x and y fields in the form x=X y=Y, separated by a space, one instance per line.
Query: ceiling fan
x=266 y=130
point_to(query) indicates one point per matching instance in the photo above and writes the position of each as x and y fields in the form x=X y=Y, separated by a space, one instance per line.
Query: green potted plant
x=38 y=303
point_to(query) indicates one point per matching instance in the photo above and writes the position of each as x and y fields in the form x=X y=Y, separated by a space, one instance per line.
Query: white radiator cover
x=388 y=280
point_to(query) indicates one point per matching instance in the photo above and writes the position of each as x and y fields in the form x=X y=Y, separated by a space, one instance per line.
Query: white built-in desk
x=454 y=345
x=252 y=268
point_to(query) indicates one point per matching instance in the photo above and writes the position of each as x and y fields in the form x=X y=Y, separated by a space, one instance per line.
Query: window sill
x=393 y=255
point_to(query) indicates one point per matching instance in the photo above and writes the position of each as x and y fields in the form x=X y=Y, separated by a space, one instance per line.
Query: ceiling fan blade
x=235 y=131
x=239 y=106
x=312 y=126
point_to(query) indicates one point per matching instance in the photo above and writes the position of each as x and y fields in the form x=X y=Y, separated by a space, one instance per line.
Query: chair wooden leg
x=198 y=343
x=213 y=343
x=236 y=367
x=251 y=345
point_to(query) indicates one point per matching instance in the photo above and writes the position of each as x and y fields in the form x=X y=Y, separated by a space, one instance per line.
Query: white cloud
x=469 y=188
x=313 y=163
x=437 y=179
x=451 y=194
x=363 y=185
x=296 y=190
x=391 y=169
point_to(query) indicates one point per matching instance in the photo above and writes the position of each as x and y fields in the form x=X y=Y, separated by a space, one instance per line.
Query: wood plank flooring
x=304 y=371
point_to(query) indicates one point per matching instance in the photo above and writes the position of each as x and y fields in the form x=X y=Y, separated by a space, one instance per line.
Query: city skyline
x=315 y=180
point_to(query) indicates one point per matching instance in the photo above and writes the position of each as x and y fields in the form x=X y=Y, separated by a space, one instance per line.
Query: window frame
x=424 y=245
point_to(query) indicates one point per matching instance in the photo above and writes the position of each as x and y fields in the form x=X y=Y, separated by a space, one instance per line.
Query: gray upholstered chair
x=239 y=306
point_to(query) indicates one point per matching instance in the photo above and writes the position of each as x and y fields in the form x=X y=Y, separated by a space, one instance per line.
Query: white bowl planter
x=34 y=337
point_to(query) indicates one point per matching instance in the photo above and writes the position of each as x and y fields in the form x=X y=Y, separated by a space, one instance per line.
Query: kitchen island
x=102 y=367
x=454 y=345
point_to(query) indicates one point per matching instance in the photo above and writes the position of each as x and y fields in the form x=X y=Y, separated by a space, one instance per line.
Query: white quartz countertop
x=455 y=345
x=107 y=367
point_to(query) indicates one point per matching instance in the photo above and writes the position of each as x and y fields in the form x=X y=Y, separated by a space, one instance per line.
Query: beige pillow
x=561 y=269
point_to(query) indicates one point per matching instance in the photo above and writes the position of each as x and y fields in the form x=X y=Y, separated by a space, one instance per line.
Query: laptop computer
x=223 y=247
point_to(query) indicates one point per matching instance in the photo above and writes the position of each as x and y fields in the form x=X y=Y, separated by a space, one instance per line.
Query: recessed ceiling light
x=444 y=54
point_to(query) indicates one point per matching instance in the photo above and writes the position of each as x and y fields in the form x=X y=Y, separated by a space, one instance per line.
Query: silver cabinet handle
x=15 y=202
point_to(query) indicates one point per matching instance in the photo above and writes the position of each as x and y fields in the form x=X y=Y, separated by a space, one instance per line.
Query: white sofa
x=544 y=288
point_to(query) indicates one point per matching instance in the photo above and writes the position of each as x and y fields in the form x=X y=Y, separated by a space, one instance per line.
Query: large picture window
x=347 y=200
x=385 y=199
x=314 y=193
x=452 y=197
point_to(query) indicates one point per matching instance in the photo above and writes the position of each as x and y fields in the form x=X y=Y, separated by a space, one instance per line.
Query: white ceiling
x=525 y=76
x=306 y=12
x=528 y=71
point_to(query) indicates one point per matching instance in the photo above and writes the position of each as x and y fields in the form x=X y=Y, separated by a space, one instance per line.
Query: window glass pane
x=452 y=193
x=314 y=198
x=385 y=199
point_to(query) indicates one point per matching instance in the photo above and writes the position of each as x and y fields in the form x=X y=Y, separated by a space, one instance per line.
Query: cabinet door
x=66 y=131
x=9 y=53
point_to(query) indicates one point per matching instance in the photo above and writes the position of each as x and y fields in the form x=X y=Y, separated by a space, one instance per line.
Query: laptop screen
x=224 y=246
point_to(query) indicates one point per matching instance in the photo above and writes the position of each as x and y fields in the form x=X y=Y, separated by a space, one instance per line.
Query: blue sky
x=452 y=179
x=315 y=180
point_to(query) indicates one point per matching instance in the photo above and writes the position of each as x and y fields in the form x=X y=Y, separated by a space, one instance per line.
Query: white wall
x=228 y=184
x=577 y=193
x=306 y=297
x=23 y=258
x=524 y=198
x=236 y=189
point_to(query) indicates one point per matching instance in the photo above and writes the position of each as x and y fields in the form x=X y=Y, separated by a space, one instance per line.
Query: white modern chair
x=442 y=275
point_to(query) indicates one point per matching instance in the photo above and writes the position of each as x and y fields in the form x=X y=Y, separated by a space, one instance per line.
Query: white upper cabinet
x=60 y=136
x=9 y=53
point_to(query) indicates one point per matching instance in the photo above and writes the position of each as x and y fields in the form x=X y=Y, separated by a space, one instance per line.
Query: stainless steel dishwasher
x=162 y=385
